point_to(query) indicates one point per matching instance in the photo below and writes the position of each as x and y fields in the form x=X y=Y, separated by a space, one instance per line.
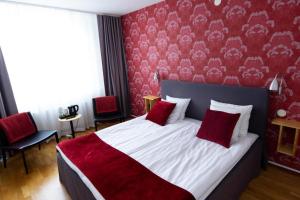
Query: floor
x=42 y=182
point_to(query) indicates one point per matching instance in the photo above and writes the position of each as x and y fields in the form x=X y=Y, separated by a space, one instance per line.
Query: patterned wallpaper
x=240 y=42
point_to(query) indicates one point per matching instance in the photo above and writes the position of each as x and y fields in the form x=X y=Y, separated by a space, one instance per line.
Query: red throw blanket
x=116 y=175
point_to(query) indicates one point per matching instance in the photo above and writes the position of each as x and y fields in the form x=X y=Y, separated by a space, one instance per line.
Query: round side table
x=70 y=120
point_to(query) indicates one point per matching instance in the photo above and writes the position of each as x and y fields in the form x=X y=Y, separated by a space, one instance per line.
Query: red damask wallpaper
x=240 y=42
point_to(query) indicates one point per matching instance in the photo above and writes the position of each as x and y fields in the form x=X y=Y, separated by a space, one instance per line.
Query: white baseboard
x=285 y=167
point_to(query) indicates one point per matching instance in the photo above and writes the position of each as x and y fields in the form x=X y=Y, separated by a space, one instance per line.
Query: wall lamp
x=275 y=86
x=156 y=76
x=217 y=2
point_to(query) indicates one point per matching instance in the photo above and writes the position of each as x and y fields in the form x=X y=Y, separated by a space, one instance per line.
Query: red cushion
x=107 y=104
x=218 y=127
x=160 y=112
x=17 y=127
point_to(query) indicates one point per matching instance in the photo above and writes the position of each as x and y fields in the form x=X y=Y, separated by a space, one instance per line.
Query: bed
x=237 y=167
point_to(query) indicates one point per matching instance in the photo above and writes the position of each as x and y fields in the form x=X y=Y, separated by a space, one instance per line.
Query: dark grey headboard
x=201 y=94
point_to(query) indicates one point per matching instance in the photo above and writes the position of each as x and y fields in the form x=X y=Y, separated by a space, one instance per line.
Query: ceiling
x=111 y=7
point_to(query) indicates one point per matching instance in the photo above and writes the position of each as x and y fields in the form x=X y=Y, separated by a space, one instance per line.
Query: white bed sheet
x=174 y=153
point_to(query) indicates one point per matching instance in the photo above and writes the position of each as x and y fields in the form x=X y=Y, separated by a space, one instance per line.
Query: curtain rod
x=54 y=7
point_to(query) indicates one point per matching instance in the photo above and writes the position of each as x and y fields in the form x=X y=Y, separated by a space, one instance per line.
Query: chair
x=19 y=132
x=106 y=109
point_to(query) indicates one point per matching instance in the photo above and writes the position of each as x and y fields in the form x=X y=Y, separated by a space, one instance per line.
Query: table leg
x=4 y=158
x=72 y=129
x=280 y=137
x=24 y=161
x=295 y=141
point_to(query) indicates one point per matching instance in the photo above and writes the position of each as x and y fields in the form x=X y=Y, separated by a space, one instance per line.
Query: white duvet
x=174 y=153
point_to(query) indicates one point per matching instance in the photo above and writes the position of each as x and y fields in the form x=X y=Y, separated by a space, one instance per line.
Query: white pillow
x=242 y=125
x=179 y=111
x=175 y=114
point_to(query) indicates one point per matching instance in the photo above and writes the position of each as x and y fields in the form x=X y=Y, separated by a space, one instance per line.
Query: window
x=53 y=60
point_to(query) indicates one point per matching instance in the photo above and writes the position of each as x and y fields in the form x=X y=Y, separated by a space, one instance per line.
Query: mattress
x=174 y=153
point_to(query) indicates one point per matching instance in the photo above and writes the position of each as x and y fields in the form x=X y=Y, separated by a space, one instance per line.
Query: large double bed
x=174 y=153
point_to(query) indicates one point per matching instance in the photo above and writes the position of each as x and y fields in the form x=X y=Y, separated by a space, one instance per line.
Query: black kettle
x=73 y=110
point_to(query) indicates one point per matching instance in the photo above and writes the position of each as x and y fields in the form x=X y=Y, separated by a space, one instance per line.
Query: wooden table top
x=151 y=97
x=286 y=122
x=70 y=119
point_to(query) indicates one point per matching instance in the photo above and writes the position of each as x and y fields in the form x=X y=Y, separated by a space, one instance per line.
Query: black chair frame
x=101 y=118
x=24 y=144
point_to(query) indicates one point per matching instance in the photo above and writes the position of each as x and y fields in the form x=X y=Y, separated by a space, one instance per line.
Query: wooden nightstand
x=285 y=123
x=150 y=101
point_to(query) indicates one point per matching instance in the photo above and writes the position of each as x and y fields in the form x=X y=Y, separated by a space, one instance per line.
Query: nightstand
x=150 y=101
x=285 y=123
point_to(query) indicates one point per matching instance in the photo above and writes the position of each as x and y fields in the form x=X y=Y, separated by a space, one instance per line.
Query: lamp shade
x=274 y=85
x=156 y=76
x=217 y=2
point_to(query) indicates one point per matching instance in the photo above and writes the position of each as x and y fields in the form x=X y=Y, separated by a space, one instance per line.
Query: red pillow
x=17 y=127
x=160 y=112
x=218 y=127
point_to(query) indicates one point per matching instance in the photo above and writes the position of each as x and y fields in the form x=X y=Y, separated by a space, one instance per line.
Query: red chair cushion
x=160 y=112
x=218 y=127
x=106 y=104
x=17 y=127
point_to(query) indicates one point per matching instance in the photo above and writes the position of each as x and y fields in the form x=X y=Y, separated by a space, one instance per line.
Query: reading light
x=156 y=76
x=217 y=2
x=274 y=86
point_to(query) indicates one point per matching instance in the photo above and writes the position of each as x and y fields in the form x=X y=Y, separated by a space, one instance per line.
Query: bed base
x=237 y=180
x=230 y=188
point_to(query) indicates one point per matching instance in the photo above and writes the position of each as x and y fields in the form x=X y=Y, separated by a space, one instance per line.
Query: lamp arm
x=280 y=86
